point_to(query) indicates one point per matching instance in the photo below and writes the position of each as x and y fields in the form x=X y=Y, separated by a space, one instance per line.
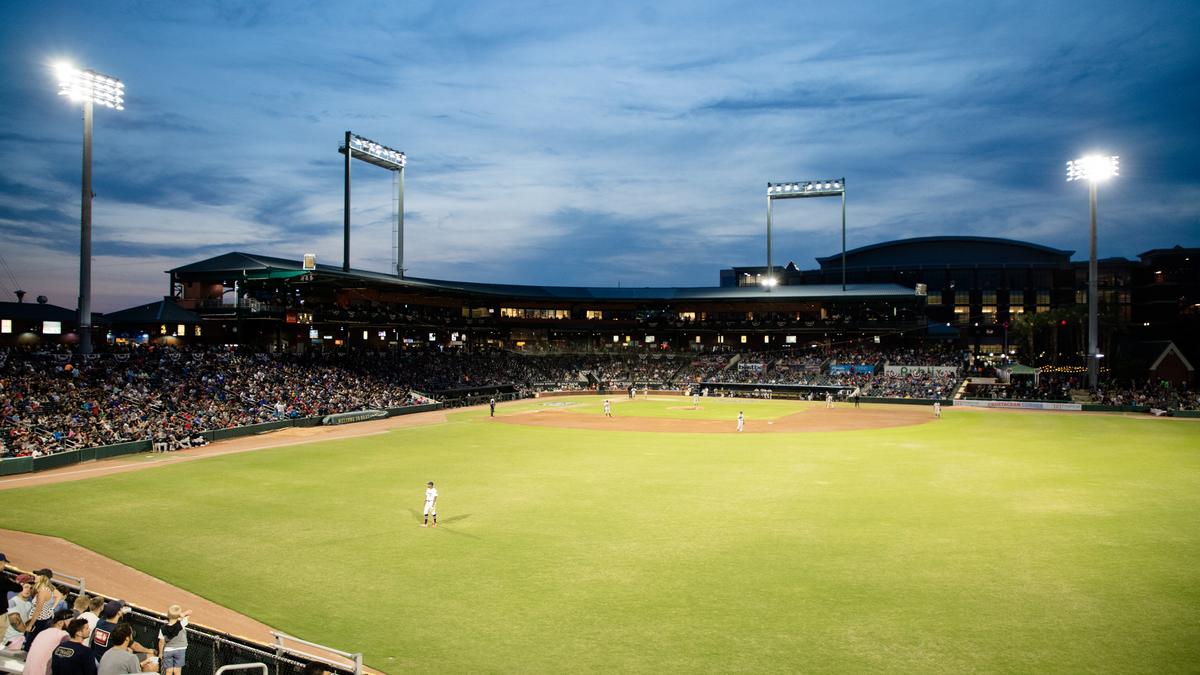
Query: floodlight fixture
x=1093 y=169
x=89 y=85
x=809 y=188
x=374 y=153
x=802 y=189
x=88 y=88
x=358 y=147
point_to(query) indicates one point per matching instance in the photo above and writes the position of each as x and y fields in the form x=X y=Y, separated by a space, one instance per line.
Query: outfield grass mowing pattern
x=982 y=542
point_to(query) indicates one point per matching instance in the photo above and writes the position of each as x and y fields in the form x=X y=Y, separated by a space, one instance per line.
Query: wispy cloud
x=587 y=144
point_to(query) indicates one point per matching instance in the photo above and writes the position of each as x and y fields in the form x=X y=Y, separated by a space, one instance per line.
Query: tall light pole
x=1093 y=169
x=87 y=87
x=357 y=147
x=799 y=190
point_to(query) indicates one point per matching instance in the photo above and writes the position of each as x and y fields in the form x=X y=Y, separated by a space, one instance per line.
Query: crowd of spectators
x=1048 y=387
x=53 y=400
x=50 y=402
x=52 y=625
x=1153 y=395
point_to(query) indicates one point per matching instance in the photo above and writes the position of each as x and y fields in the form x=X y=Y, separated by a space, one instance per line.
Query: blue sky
x=588 y=143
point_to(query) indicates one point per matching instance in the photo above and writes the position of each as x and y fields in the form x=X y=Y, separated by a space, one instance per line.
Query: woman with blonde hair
x=45 y=600
x=172 y=640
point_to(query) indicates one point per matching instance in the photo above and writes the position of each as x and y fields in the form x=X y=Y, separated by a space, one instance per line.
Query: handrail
x=356 y=657
x=244 y=666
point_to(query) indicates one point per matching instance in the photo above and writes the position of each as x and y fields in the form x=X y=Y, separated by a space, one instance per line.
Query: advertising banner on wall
x=852 y=368
x=1019 y=405
x=923 y=370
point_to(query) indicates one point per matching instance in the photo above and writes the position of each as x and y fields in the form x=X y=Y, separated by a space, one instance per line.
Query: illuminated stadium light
x=88 y=85
x=799 y=189
x=374 y=153
x=358 y=147
x=810 y=188
x=1093 y=169
x=88 y=88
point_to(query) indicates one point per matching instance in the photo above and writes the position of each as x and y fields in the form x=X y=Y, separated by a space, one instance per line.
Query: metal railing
x=244 y=666
x=355 y=658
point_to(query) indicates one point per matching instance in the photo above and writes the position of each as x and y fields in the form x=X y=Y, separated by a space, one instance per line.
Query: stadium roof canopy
x=155 y=312
x=36 y=311
x=236 y=266
x=948 y=251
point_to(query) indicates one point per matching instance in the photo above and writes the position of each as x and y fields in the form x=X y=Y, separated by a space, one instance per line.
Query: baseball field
x=662 y=541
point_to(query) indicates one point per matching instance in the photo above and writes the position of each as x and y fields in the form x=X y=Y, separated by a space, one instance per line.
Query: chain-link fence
x=208 y=650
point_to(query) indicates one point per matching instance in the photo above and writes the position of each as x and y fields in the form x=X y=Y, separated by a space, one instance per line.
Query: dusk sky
x=587 y=143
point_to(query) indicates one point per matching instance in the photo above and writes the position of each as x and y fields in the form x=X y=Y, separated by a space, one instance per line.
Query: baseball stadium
x=628 y=480
x=933 y=451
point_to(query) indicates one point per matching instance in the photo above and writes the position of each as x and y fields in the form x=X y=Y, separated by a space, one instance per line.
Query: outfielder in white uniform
x=828 y=400
x=741 y=420
x=937 y=409
x=607 y=408
x=430 y=504
x=695 y=400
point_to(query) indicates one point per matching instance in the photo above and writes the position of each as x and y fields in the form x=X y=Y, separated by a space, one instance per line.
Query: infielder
x=695 y=400
x=607 y=408
x=829 y=400
x=741 y=421
x=430 y=504
x=937 y=410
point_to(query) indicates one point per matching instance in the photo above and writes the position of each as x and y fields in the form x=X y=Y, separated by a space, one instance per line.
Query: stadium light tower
x=87 y=87
x=833 y=187
x=1093 y=169
x=369 y=151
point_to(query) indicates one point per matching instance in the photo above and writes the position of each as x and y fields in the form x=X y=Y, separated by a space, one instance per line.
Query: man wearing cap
x=37 y=661
x=8 y=588
x=120 y=659
x=110 y=618
x=19 y=617
x=430 y=504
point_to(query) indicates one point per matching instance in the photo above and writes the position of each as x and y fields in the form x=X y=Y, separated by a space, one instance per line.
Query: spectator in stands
x=19 y=614
x=172 y=640
x=73 y=656
x=111 y=617
x=92 y=616
x=82 y=602
x=45 y=602
x=120 y=658
x=37 y=660
x=8 y=588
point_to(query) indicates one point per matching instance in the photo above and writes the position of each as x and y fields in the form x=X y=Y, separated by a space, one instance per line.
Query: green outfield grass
x=984 y=542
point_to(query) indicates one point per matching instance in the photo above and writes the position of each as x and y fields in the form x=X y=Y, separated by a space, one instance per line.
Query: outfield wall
x=58 y=460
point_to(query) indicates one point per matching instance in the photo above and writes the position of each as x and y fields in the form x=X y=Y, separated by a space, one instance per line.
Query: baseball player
x=829 y=400
x=741 y=421
x=607 y=408
x=695 y=400
x=430 y=504
x=937 y=410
